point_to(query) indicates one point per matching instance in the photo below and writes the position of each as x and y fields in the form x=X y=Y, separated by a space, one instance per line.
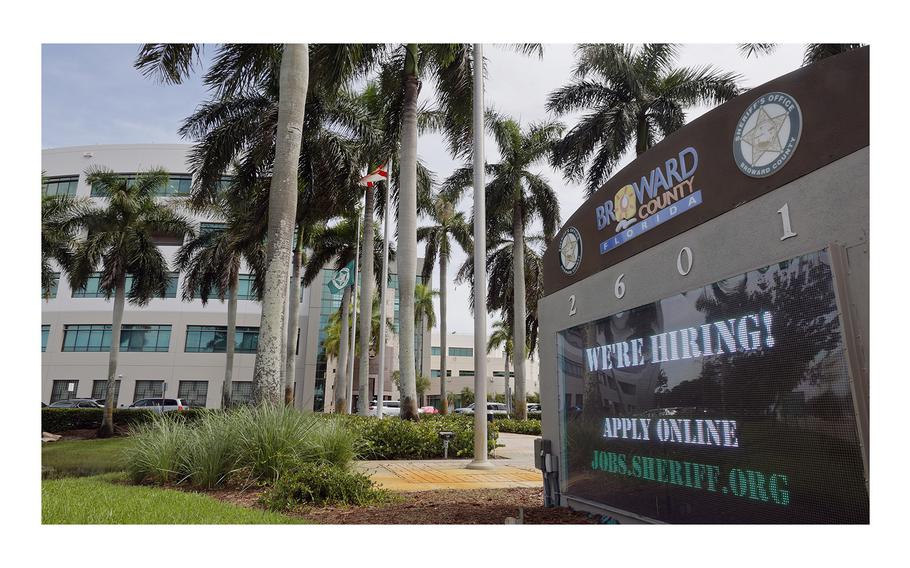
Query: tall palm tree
x=335 y=246
x=211 y=262
x=814 y=53
x=236 y=69
x=516 y=193
x=634 y=96
x=447 y=222
x=121 y=239
x=425 y=314
x=449 y=68
x=57 y=235
x=501 y=339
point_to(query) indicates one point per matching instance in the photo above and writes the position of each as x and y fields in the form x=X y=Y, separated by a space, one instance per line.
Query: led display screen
x=730 y=403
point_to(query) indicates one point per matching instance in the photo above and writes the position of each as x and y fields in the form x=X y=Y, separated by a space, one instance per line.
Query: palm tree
x=634 y=96
x=211 y=262
x=516 y=193
x=501 y=339
x=425 y=313
x=121 y=239
x=57 y=235
x=335 y=246
x=447 y=223
x=814 y=53
x=236 y=69
x=449 y=68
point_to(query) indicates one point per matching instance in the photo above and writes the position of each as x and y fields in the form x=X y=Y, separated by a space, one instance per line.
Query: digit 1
x=785 y=217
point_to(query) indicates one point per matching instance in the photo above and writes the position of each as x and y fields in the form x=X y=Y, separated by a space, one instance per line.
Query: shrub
x=321 y=483
x=258 y=443
x=64 y=419
x=157 y=452
x=393 y=438
x=519 y=426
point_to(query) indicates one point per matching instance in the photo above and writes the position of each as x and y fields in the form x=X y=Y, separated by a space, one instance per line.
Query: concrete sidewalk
x=513 y=467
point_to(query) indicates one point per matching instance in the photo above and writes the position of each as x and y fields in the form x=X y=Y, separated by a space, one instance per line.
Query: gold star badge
x=764 y=136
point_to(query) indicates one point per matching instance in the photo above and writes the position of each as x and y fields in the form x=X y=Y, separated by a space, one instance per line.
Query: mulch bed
x=451 y=506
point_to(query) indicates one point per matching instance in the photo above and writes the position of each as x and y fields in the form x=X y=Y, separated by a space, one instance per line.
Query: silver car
x=493 y=409
x=160 y=405
x=389 y=408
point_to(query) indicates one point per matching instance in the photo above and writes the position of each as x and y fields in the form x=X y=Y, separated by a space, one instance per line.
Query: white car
x=159 y=405
x=493 y=409
x=389 y=408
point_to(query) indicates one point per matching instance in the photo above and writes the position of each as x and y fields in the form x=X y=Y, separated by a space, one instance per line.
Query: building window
x=133 y=338
x=99 y=390
x=51 y=293
x=245 y=287
x=45 y=332
x=436 y=351
x=213 y=339
x=466 y=373
x=148 y=389
x=147 y=338
x=206 y=228
x=177 y=184
x=241 y=392
x=64 y=390
x=461 y=351
x=92 y=288
x=193 y=393
x=503 y=373
x=60 y=185
x=436 y=373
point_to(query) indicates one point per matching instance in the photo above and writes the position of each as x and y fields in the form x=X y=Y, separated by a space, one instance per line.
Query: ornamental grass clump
x=157 y=452
x=245 y=444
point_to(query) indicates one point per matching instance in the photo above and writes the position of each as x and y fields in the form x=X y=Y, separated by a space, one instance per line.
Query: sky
x=91 y=94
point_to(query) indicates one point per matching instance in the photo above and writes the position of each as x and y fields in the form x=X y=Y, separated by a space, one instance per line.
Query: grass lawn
x=101 y=499
x=82 y=457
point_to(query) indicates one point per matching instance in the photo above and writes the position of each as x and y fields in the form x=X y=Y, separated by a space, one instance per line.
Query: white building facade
x=172 y=347
x=460 y=369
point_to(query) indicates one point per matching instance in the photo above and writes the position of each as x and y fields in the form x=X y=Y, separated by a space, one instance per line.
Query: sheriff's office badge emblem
x=767 y=134
x=570 y=251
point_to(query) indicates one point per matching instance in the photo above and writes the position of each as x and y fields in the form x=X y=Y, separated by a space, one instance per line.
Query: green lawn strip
x=82 y=457
x=102 y=499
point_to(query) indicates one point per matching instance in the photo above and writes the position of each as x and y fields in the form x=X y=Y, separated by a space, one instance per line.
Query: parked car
x=76 y=403
x=389 y=408
x=160 y=405
x=533 y=407
x=493 y=409
x=428 y=410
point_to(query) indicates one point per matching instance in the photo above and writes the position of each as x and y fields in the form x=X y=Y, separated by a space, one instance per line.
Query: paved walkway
x=513 y=467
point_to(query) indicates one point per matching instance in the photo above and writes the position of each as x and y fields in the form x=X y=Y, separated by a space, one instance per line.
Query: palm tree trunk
x=520 y=311
x=341 y=388
x=292 y=90
x=290 y=363
x=508 y=391
x=107 y=421
x=407 y=235
x=366 y=303
x=641 y=137
x=230 y=343
x=443 y=269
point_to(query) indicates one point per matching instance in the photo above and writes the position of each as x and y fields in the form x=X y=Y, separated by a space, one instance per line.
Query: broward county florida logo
x=766 y=134
x=665 y=192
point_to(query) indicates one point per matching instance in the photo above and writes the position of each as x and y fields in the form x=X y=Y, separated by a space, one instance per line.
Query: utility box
x=542 y=447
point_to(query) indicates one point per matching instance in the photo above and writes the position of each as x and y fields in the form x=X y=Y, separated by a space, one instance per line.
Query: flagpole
x=350 y=382
x=382 y=294
x=480 y=275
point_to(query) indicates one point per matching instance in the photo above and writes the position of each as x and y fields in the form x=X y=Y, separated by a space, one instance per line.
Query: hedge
x=518 y=426
x=64 y=419
x=392 y=438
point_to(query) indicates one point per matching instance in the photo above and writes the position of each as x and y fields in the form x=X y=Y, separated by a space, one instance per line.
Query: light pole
x=480 y=275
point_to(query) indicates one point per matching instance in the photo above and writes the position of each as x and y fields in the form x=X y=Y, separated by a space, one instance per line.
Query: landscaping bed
x=472 y=506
